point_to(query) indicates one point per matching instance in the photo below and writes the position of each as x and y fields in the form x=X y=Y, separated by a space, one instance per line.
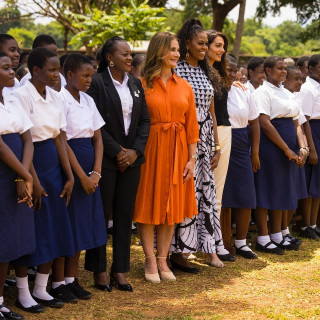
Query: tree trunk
x=237 y=42
x=218 y=17
x=65 y=40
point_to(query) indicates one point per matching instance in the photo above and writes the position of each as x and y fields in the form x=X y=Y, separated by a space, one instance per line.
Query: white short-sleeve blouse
x=241 y=107
x=13 y=119
x=274 y=102
x=82 y=118
x=47 y=115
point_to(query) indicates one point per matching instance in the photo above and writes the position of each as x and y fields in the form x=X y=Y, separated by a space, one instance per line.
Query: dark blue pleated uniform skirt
x=313 y=172
x=86 y=211
x=276 y=180
x=17 y=235
x=239 y=190
x=52 y=223
x=301 y=184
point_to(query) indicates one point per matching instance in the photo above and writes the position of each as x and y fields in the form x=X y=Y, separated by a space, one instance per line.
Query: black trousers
x=118 y=192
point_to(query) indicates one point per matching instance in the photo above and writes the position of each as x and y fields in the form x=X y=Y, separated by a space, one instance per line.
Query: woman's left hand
x=127 y=159
x=67 y=190
x=238 y=84
x=255 y=162
x=23 y=193
x=215 y=160
x=303 y=155
x=188 y=170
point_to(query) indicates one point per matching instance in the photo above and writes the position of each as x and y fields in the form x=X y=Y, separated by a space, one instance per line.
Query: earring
x=187 y=55
x=111 y=64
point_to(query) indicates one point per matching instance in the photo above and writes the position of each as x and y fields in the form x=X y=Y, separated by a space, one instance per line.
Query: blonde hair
x=158 y=49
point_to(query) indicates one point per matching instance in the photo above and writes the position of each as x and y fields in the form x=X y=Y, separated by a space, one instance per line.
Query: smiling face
x=6 y=72
x=231 y=72
x=81 y=79
x=121 y=57
x=197 y=47
x=49 y=73
x=293 y=81
x=257 y=76
x=216 y=50
x=277 y=73
x=172 y=56
x=314 y=72
x=10 y=47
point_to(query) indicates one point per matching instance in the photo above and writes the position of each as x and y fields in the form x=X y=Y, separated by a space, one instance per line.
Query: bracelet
x=194 y=156
x=217 y=147
x=18 y=180
x=97 y=173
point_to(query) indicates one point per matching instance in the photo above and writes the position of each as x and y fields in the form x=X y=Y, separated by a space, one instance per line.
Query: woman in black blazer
x=120 y=100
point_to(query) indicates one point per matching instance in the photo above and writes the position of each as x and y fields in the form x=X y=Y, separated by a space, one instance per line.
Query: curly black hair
x=190 y=29
x=107 y=48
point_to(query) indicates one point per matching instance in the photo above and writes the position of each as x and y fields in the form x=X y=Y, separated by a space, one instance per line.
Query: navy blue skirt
x=239 y=191
x=313 y=172
x=86 y=211
x=17 y=235
x=301 y=184
x=52 y=223
x=276 y=180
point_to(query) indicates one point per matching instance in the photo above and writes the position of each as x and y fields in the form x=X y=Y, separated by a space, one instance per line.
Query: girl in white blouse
x=275 y=182
x=17 y=237
x=85 y=151
x=239 y=191
x=310 y=99
x=52 y=189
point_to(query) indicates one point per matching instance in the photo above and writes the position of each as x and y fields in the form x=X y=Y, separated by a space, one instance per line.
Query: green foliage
x=130 y=22
x=23 y=37
x=9 y=18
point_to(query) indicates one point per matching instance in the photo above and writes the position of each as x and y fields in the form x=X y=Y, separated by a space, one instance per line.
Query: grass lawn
x=271 y=287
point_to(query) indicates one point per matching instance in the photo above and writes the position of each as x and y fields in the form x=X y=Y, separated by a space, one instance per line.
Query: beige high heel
x=152 y=277
x=166 y=275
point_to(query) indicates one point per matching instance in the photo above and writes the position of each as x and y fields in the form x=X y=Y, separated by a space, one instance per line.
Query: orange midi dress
x=162 y=196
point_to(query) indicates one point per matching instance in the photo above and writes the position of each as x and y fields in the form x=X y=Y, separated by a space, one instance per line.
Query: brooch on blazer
x=137 y=93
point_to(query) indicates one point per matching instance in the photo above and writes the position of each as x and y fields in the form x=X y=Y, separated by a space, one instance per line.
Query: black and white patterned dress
x=202 y=232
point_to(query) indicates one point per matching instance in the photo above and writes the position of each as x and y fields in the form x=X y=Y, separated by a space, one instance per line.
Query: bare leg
x=242 y=217
x=314 y=211
x=146 y=233
x=164 y=236
x=260 y=216
x=3 y=275
x=290 y=216
x=58 y=269
x=71 y=266
x=304 y=207
x=275 y=220
x=284 y=221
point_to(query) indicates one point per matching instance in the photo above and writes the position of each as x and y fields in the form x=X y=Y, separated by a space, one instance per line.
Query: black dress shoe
x=11 y=282
x=290 y=246
x=10 y=315
x=53 y=303
x=308 y=233
x=33 y=309
x=316 y=231
x=63 y=293
x=180 y=267
x=290 y=238
x=102 y=287
x=2 y=316
x=78 y=291
x=226 y=257
x=266 y=249
x=245 y=253
x=121 y=287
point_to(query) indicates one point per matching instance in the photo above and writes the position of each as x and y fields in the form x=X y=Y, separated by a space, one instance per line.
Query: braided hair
x=187 y=32
x=107 y=48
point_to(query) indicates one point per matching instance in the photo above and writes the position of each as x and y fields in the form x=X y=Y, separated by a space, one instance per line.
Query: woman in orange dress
x=166 y=193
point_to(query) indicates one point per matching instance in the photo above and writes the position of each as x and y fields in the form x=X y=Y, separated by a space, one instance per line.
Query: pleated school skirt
x=86 y=211
x=17 y=235
x=276 y=180
x=239 y=190
x=313 y=171
x=52 y=224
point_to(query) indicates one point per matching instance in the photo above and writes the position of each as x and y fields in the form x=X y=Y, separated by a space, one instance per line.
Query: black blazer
x=106 y=97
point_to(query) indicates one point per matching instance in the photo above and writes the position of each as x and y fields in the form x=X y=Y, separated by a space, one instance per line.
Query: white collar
x=36 y=95
x=117 y=83
x=70 y=99
x=315 y=83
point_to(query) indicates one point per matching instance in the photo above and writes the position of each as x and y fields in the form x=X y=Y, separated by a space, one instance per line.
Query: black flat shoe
x=289 y=246
x=292 y=239
x=33 y=309
x=246 y=254
x=180 y=267
x=308 y=233
x=316 y=231
x=10 y=315
x=276 y=250
x=121 y=287
x=53 y=303
x=2 y=316
x=226 y=257
x=11 y=282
